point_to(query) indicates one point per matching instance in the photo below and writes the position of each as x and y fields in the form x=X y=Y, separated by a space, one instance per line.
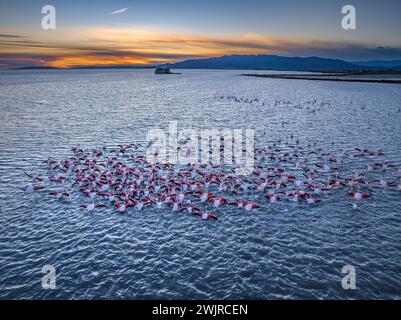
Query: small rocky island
x=164 y=70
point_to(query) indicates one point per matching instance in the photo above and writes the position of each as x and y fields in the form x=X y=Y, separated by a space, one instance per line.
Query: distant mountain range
x=380 y=63
x=280 y=63
x=264 y=62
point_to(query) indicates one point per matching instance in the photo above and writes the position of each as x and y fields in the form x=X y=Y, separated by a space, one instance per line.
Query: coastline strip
x=320 y=78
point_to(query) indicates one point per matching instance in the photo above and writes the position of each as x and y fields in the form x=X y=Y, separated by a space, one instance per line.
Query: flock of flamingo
x=309 y=105
x=122 y=179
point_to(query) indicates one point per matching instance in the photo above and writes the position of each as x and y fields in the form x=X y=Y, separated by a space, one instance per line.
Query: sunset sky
x=151 y=32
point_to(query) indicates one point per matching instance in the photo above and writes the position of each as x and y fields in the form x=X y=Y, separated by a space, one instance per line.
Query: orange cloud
x=93 y=46
x=122 y=46
x=76 y=61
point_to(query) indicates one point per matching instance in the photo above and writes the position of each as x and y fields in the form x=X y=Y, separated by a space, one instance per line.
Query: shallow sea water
x=288 y=251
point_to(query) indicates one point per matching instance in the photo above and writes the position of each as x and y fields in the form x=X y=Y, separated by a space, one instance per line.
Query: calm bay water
x=272 y=253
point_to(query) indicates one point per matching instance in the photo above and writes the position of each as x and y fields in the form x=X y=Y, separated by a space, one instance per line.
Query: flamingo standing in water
x=273 y=198
x=248 y=205
x=123 y=206
x=358 y=195
x=205 y=215
x=218 y=202
x=59 y=194
x=310 y=200
x=190 y=209
x=90 y=193
x=31 y=188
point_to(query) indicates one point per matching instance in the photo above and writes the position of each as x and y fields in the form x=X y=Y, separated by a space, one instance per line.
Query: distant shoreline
x=378 y=76
x=324 y=77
